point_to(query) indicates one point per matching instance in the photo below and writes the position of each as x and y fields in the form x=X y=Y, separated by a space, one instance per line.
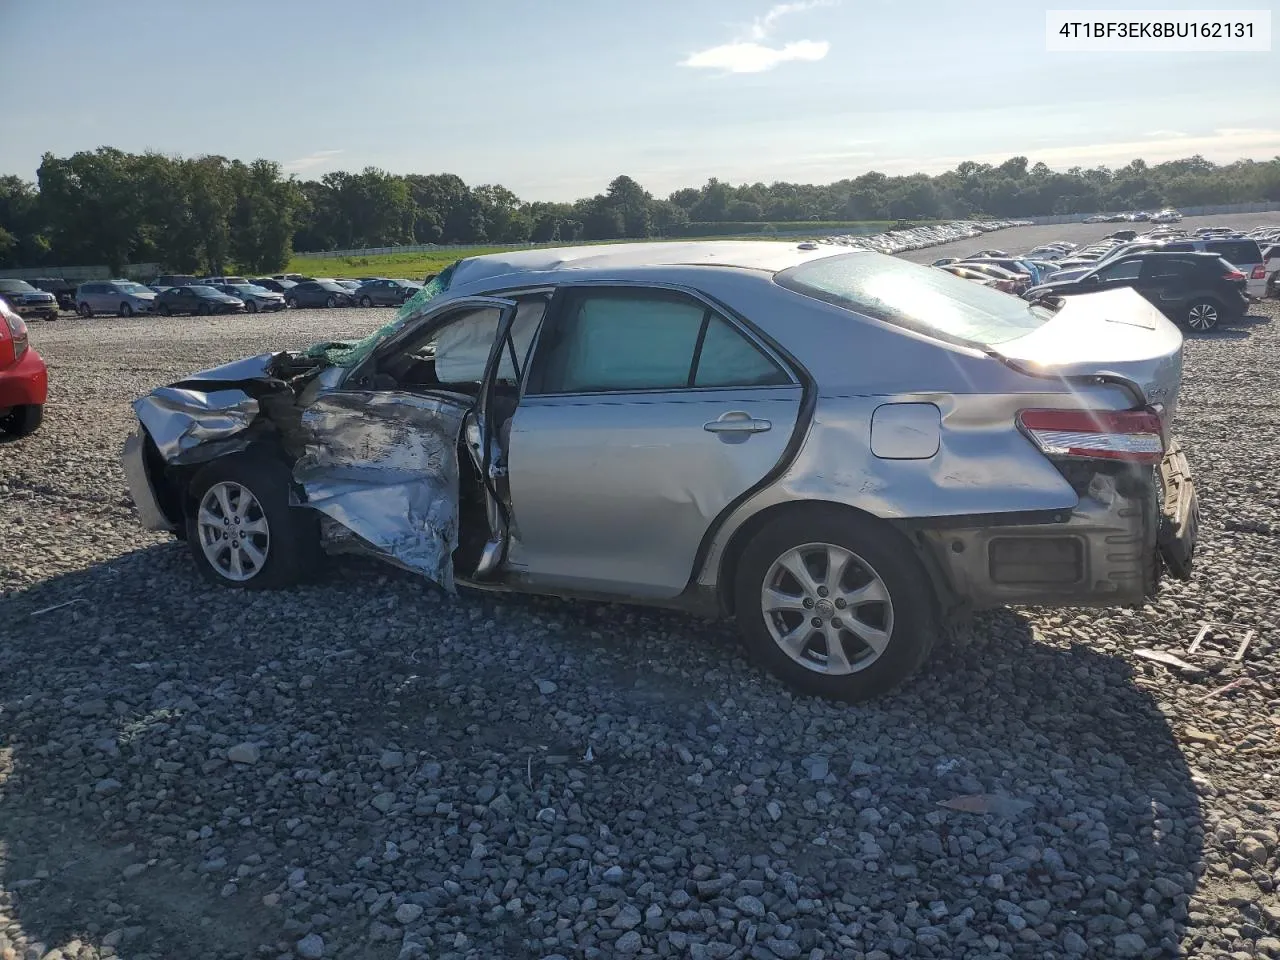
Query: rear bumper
x=1110 y=550
x=26 y=383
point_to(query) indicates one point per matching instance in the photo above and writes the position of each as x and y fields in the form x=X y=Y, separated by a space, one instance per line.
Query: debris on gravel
x=364 y=768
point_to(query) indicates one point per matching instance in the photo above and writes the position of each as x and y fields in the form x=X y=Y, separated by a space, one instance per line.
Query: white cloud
x=749 y=53
x=756 y=57
x=761 y=27
x=319 y=158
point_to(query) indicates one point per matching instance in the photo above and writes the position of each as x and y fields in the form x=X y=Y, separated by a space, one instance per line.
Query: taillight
x=17 y=333
x=1233 y=275
x=1135 y=436
x=1259 y=273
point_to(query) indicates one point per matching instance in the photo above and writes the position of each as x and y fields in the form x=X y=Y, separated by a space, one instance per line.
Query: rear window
x=924 y=299
x=1236 y=251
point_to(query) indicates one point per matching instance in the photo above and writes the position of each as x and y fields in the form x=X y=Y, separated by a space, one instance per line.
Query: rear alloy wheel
x=332 y=301
x=84 y=311
x=241 y=529
x=21 y=421
x=366 y=301
x=124 y=311
x=291 y=302
x=1203 y=315
x=834 y=604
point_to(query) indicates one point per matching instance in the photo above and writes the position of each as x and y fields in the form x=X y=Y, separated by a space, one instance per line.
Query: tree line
x=209 y=213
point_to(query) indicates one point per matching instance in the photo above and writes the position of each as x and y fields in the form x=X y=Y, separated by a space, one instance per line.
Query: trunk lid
x=1114 y=334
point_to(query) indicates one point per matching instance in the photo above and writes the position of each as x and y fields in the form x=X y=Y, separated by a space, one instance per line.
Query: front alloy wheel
x=234 y=533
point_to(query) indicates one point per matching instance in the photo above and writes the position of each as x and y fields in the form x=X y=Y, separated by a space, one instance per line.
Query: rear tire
x=125 y=310
x=291 y=302
x=366 y=301
x=286 y=539
x=882 y=599
x=1202 y=314
x=22 y=421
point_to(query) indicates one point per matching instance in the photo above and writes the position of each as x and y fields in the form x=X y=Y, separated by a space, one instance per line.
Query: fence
x=133 y=271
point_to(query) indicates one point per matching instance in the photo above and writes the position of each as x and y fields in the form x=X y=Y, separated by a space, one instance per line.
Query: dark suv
x=1197 y=290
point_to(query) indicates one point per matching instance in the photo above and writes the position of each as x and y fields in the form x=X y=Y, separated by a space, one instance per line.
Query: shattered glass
x=350 y=354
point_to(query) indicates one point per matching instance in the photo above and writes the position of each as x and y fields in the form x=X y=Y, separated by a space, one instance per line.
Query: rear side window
x=1238 y=252
x=618 y=341
x=1165 y=268
x=926 y=300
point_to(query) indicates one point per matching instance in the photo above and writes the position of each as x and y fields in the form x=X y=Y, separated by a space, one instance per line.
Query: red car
x=24 y=379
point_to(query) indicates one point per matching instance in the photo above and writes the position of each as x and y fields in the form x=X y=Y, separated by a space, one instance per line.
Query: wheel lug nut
x=841 y=603
x=822 y=591
x=836 y=622
x=817 y=621
x=808 y=603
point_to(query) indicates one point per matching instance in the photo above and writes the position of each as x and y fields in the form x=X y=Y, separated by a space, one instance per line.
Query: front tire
x=125 y=310
x=290 y=302
x=366 y=301
x=22 y=421
x=834 y=603
x=85 y=311
x=252 y=306
x=332 y=301
x=241 y=530
x=164 y=310
x=204 y=310
x=1202 y=315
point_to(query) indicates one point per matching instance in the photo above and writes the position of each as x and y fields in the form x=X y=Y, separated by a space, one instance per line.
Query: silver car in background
x=842 y=450
x=123 y=298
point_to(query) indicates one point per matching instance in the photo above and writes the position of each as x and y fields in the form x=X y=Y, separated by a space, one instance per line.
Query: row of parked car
x=1167 y=215
x=918 y=238
x=178 y=294
x=1197 y=279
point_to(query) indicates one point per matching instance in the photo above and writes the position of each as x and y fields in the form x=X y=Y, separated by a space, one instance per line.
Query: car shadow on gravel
x=384 y=716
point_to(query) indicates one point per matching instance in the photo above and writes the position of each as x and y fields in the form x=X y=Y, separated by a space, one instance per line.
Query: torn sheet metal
x=181 y=420
x=385 y=466
x=238 y=371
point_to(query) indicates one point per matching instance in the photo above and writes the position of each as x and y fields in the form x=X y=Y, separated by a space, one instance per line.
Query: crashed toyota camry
x=844 y=451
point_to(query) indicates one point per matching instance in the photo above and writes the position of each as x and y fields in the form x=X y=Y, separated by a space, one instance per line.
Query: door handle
x=737 y=422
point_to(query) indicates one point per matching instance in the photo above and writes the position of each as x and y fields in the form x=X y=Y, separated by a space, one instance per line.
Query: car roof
x=769 y=256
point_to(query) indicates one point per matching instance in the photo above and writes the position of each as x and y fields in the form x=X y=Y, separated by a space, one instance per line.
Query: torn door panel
x=385 y=466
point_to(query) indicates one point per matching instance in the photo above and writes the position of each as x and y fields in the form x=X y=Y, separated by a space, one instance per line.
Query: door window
x=1165 y=268
x=1128 y=270
x=626 y=340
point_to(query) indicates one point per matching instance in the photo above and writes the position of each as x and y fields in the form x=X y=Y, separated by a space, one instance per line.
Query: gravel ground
x=368 y=768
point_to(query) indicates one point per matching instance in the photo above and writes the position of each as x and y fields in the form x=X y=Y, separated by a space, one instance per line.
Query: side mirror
x=1091 y=278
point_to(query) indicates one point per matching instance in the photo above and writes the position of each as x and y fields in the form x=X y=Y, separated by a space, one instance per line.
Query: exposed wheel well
x=728 y=572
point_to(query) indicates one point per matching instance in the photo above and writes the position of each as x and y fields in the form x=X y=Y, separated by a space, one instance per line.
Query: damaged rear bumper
x=1110 y=550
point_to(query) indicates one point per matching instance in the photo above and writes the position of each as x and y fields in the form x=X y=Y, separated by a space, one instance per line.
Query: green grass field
x=409 y=266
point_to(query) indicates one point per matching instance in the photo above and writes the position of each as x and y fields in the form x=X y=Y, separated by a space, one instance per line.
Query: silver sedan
x=844 y=451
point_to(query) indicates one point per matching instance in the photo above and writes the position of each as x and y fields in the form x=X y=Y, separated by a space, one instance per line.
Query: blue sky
x=555 y=99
